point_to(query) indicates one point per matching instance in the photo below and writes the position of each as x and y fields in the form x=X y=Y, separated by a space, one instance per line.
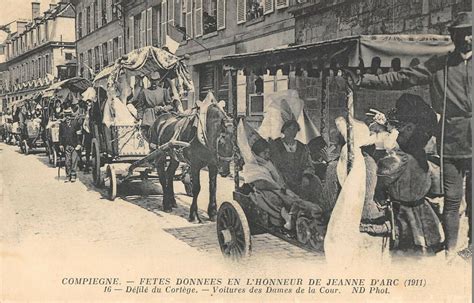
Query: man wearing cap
x=70 y=138
x=152 y=101
x=450 y=80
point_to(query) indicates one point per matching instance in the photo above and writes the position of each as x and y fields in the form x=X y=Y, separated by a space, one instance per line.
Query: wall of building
x=332 y=19
x=105 y=32
x=61 y=30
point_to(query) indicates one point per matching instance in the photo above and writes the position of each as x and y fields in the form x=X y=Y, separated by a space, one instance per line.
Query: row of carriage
x=132 y=159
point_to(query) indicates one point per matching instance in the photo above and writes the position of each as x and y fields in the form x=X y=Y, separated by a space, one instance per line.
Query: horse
x=214 y=152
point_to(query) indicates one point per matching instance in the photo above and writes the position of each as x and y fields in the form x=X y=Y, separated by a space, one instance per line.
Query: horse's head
x=220 y=129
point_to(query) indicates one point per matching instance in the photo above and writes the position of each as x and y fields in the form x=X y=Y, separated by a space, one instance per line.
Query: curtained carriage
x=317 y=72
x=118 y=142
x=56 y=94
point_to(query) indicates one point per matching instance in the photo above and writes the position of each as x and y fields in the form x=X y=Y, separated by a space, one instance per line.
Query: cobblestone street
x=66 y=230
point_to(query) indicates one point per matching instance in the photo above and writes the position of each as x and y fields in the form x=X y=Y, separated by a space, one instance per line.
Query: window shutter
x=131 y=41
x=143 y=29
x=282 y=3
x=221 y=14
x=149 y=25
x=178 y=12
x=241 y=11
x=189 y=19
x=198 y=18
x=120 y=46
x=109 y=10
x=84 y=21
x=110 y=51
x=171 y=12
x=101 y=57
x=99 y=13
x=267 y=6
x=164 y=22
x=92 y=66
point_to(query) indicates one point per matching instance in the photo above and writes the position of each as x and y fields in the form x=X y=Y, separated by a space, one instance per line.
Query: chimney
x=35 y=10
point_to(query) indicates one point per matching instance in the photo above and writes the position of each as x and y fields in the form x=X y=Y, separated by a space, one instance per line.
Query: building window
x=137 y=31
x=89 y=63
x=254 y=9
x=94 y=16
x=88 y=19
x=79 y=25
x=115 y=49
x=209 y=16
x=97 y=59
x=103 y=12
x=48 y=64
x=105 y=55
x=81 y=65
x=38 y=35
x=68 y=56
x=115 y=11
x=156 y=26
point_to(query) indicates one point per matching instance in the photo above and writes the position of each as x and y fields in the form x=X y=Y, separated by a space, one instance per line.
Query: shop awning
x=349 y=52
x=76 y=84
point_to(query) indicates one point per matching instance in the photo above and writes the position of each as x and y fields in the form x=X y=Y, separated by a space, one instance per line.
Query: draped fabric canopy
x=144 y=61
x=347 y=52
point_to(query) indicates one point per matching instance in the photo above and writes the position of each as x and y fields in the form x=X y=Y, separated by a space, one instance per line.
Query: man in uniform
x=450 y=80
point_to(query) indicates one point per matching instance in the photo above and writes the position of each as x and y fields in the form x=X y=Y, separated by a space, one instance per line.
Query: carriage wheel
x=111 y=182
x=25 y=148
x=233 y=231
x=318 y=231
x=303 y=232
x=54 y=157
x=96 y=176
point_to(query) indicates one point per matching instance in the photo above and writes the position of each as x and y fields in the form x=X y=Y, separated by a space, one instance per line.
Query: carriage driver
x=153 y=101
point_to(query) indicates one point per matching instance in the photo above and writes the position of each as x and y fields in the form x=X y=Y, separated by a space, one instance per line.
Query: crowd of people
x=405 y=175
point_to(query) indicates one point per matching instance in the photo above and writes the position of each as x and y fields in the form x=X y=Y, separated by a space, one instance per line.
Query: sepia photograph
x=236 y=150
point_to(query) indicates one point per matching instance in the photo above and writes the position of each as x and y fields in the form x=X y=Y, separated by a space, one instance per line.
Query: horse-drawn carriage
x=317 y=71
x=53 y=99
x=33 y=134
x=118 y=141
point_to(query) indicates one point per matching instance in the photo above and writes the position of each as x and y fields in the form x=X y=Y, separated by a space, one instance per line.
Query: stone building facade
x=35 y=50
x=99 y=35
x=207 y=30
x=319 y=20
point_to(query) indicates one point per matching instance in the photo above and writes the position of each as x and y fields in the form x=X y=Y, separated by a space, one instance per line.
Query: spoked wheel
x=96 y=176
x=318 y=231
x=233 y=231
x=110 y=182
x=53 y=154
x=303 y=232
x=26 y=149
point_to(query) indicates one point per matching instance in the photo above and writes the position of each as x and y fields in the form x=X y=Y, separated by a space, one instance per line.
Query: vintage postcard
x=235 y=151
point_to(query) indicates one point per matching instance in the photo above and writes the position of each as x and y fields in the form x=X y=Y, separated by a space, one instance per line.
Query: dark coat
x=292 y=166
x=70 y=132
x=458 y=141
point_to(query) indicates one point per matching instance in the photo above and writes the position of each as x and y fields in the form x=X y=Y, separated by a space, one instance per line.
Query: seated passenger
x=272 y=194
x=404 y=178
x=293 y=161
